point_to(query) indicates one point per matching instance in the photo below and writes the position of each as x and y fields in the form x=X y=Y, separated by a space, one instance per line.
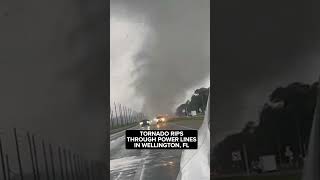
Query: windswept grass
x=197 y=118
x=121 y=128
x=191 y=122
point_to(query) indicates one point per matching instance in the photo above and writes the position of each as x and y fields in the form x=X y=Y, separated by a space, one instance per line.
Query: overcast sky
x=159 y=52
x=259 y=46
x=52 y=72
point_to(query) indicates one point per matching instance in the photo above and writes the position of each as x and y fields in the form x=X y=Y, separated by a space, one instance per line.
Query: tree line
x=284 y=121
x=197 y=102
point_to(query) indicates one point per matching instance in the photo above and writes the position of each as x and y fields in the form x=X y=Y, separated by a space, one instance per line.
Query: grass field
x=191 y=122
x=199 y=118
x=118 y=129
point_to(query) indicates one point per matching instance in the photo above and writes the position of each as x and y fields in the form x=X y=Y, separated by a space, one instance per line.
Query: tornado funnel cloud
x=175 y=54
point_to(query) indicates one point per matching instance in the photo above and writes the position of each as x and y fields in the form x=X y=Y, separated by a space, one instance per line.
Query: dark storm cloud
x=53 y=57
x=259 y=45
x=175 y=56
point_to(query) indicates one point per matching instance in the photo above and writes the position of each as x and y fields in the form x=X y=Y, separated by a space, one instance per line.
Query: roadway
x=149 y=164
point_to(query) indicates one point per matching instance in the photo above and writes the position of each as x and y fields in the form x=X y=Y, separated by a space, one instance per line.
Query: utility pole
x=203 y=108
x=186 y=109
x=18 y=153
x=111 y=119
x=3 y=161
x=126 y=115
x=8 y=167
x=246 y=158
x=121 y=115
x=115 y=110
x=52 y=163
x=35 y=156
x=299 y=137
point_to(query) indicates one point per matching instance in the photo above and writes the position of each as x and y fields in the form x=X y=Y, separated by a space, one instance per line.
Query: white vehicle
x=160 y=119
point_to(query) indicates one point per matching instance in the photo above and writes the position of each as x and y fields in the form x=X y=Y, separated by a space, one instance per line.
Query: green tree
x=284 y=120
x=197 y=102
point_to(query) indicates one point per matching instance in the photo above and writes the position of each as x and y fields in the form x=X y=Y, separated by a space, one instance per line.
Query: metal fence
x=121 y=115
x=26 y=156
